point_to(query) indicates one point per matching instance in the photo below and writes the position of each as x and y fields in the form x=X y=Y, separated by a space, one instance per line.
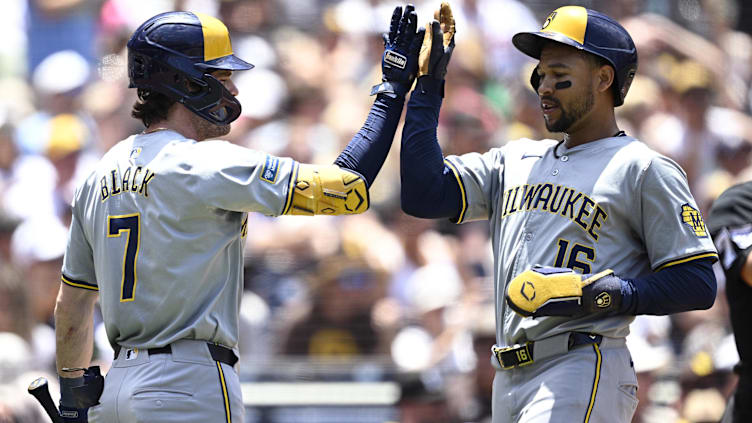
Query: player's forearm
x=74 y=329
x=683 y=287
x=429 y=189
x=366 y=152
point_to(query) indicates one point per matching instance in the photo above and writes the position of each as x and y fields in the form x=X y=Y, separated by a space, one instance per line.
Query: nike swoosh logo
x=526 y=156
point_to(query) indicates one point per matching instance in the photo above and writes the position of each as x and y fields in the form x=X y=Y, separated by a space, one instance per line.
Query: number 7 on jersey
x=130 y=224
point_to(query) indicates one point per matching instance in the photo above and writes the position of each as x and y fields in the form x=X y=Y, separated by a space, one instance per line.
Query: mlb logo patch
x=691 y=217
x=131 y=354
x=270 y=169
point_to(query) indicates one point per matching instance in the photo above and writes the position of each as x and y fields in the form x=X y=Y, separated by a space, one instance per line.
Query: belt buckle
x=521 y=353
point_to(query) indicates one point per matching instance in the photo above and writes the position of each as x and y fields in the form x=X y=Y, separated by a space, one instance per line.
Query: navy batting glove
x=399 y=63
x=77 y=394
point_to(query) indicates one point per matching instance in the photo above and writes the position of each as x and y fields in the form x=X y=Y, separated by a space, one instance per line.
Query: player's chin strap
x=328 y=190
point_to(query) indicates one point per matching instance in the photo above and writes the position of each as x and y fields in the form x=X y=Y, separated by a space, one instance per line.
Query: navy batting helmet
x=590 y=31
x=174 y=54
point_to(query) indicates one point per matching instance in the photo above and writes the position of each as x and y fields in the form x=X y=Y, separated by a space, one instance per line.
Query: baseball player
x=158 y=228
x=730 y=223
x=587 y=232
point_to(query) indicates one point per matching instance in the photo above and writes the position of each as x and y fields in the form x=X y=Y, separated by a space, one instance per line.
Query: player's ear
x=604 y=78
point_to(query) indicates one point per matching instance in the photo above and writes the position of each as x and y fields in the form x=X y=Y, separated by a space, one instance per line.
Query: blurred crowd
x=379 y=297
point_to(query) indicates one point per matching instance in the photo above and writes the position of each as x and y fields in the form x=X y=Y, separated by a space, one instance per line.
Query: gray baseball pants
x=589 y=384
x=184 y=386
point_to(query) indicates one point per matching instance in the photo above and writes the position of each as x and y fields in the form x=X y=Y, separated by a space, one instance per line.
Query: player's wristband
x=67 y=398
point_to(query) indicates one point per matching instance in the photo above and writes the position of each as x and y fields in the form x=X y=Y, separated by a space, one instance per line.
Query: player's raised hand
x=438 y=44
x=399 y=64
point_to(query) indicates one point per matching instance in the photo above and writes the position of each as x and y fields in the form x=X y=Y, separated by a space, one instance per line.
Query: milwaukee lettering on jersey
x=556 y=199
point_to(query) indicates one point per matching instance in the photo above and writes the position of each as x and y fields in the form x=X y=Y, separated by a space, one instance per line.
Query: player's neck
x=178 y=120
x=592 y=128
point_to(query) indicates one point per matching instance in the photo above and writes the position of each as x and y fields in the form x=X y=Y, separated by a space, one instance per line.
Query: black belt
x=522 y=355
x=218 y=353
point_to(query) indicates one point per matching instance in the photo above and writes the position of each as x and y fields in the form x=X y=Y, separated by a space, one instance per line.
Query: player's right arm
x=74 y=330
x=430 y=187
x=74 y=322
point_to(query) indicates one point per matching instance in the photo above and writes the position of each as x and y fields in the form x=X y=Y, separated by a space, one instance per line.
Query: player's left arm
x=563 y=292
x=342 y=188
x=365 y=153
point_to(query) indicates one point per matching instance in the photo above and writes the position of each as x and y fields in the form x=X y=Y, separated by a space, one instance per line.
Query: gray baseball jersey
x=611 y=203
x=159 y=228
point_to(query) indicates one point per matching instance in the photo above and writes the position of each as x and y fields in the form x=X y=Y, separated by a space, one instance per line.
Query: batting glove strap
x=391 y=89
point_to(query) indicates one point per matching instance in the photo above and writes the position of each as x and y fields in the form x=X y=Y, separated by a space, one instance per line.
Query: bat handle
x=41 y=392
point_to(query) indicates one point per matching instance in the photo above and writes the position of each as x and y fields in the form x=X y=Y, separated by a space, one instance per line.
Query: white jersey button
x=555 y=172
x=528 y=236
x=564 y=158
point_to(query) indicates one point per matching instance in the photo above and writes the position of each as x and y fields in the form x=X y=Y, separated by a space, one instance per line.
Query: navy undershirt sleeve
x=429 y=187
x=366 y=152
x=682 y=287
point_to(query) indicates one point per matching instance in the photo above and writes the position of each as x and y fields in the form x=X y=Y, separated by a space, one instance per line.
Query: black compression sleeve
x=682 y=287
x=429 y=188
x=366 y=152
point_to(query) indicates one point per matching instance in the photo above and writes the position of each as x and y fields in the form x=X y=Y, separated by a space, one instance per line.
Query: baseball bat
x=41 y=392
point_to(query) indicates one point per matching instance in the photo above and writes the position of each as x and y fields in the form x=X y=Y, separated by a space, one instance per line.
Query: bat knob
x=38 y=383
x=39 y=389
